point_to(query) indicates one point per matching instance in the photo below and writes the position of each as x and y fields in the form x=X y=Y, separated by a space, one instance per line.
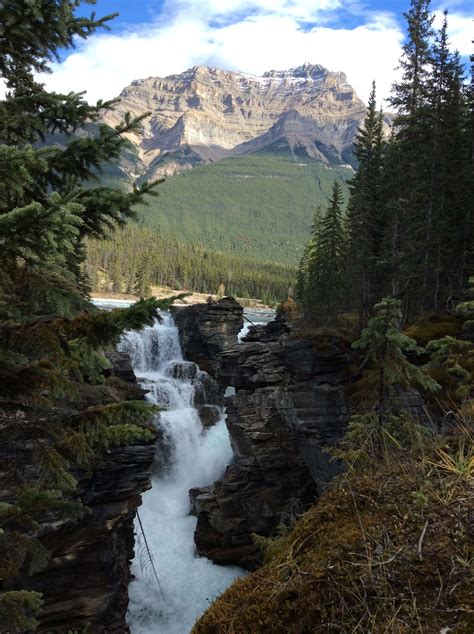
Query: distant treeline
x=136 y=258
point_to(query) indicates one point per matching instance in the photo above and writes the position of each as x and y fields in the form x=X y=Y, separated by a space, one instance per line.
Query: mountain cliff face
x=206 y=114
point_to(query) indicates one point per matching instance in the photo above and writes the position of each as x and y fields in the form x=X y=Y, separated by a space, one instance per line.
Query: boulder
x=209 y=414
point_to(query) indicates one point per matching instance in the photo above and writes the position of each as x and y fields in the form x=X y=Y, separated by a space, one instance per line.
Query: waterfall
x=188 y=457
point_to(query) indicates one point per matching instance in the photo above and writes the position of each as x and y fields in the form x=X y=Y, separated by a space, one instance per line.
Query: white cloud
x=459 y=29
x=296 y=9
x=248 y=35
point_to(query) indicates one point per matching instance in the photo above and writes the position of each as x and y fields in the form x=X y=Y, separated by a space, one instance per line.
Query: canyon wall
x=287 y=409
x=85 y=582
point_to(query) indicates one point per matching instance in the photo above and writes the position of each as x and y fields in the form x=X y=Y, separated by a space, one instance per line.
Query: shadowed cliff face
x=288 y=407
x=206 y=114
x=85 y=583
x=206 y=330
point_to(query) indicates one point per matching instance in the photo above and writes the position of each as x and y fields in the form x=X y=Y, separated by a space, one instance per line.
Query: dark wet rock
x=209 y=415
x=184 y=370
x=207 y=390
x=197 y=497
x=205 y=330
x=267 y=332
x=289 y=407
x=121 y=366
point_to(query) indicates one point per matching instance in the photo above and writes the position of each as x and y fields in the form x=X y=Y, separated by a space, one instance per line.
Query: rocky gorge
x=287 y=409
x=285 y=405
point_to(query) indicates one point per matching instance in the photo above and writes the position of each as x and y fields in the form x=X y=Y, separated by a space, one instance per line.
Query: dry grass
x=389 y=549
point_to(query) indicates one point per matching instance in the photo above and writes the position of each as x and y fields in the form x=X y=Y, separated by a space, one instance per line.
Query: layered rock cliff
x=206 y=114
x=288 y=408
x=206 y=330
x=84 y=585
x=86 y=581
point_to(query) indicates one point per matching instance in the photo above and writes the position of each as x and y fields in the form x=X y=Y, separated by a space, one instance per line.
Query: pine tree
x=410 y=161
x=325 y=292
x=308 y=262
x=302 y=273
x=366 y=214
x=141 y=287
x=446 y=196
x=386 y=347
x=410 y=224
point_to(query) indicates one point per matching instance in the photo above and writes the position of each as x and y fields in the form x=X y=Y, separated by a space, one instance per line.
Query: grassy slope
x=386 y=552
x=259 y=206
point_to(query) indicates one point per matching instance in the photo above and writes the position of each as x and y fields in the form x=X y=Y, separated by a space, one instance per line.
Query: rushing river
x=194 y=457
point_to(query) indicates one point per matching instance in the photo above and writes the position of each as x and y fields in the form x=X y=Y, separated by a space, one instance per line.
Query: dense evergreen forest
x=258 y=206
x=239 y=222
x=409 y=227
x=135 y=258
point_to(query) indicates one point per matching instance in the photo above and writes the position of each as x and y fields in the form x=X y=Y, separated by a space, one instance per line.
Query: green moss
x=127 y=434
x=18 y=609
x=369 y=557
x=429 y=327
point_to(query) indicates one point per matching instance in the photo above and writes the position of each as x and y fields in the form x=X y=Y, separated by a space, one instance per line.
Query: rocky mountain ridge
x=205 y=114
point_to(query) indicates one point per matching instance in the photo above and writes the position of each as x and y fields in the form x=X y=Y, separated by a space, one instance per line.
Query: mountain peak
x=206 y=114
x=305 y=71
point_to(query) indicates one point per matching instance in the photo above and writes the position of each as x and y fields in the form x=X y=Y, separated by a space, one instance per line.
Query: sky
x=362 y=38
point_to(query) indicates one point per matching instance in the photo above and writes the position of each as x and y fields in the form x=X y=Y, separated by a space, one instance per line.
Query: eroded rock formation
x=86 y=581
x=206 y=330
x=206 y=114
x=288 y=407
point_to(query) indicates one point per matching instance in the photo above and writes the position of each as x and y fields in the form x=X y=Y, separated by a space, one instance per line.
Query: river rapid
x=188 y=456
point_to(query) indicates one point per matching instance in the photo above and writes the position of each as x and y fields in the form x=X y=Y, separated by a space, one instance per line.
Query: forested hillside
x=259 y=206
x=136 y=258
x=240 y=222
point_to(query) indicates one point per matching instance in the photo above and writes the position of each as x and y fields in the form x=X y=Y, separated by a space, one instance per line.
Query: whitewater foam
x=193 y=458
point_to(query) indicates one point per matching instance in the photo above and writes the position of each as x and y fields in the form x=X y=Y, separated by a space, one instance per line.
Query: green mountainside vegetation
x=136 y=258
x=258 y=206
x=240 y=222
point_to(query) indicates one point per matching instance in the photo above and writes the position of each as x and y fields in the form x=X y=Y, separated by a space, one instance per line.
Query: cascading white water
x=194 y=458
